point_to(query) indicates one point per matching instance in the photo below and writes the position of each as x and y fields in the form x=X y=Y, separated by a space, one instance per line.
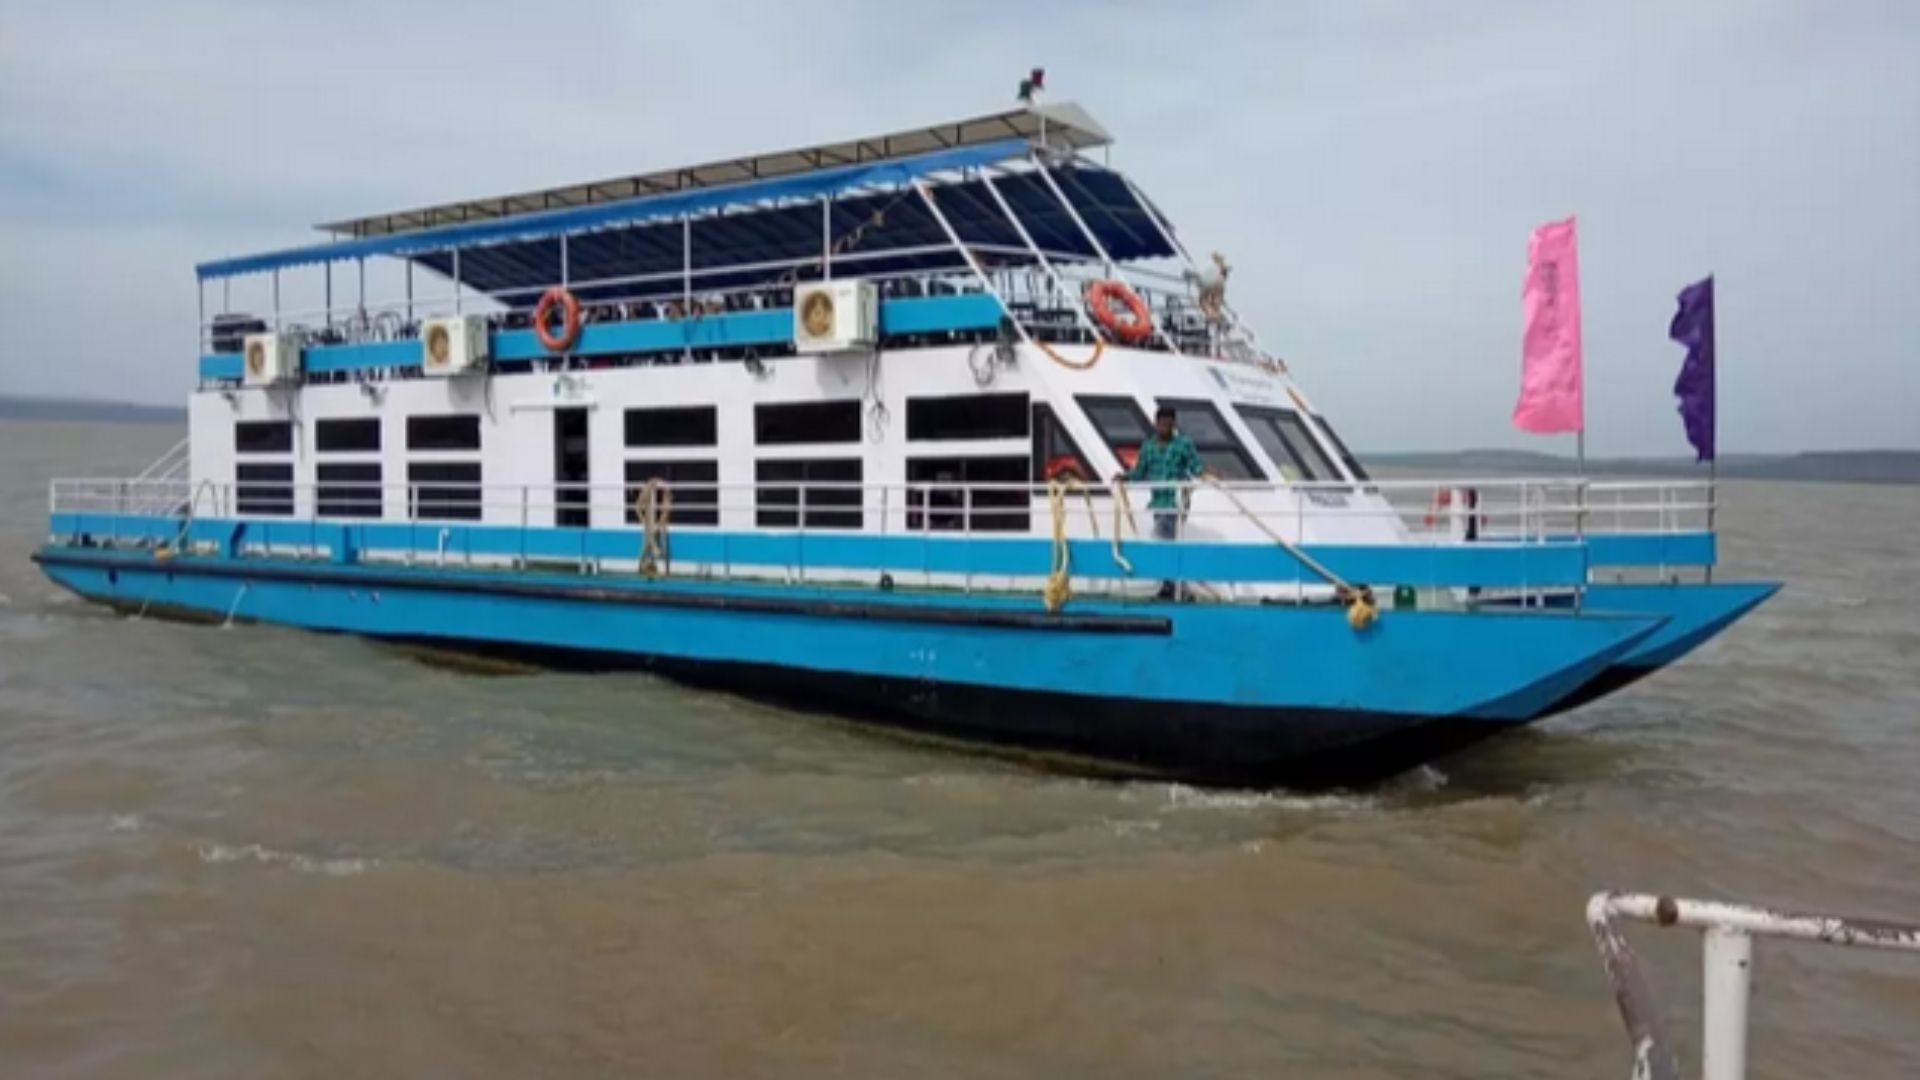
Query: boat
x=845 y=425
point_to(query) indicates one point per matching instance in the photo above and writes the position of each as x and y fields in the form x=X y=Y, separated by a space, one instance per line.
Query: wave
x=219 y=854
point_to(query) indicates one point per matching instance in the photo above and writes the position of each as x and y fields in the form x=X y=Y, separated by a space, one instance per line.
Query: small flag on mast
x=1693 y=327
x=1551 y=384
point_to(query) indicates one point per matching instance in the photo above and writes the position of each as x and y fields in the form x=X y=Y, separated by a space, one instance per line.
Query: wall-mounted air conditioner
x=835 y=316
x=453 y=346
x=270 y=358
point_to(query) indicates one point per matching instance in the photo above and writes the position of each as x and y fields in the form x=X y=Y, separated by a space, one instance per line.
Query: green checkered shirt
x=1172 y=460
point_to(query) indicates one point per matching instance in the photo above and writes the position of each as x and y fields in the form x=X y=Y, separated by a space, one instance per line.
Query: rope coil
x=653 y=507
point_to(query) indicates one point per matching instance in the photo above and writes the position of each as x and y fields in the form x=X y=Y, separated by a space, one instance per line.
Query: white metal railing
x=1727 y=952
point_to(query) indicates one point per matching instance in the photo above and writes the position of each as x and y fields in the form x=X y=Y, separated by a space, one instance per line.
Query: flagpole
x=1713 y=501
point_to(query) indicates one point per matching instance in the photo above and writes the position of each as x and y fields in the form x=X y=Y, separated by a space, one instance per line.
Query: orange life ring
x=569 y=320
x=1060 y=465
x=1442 y=502
x=1133 y=325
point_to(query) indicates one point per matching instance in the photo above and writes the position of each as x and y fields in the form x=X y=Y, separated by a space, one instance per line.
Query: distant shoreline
x=84 y=410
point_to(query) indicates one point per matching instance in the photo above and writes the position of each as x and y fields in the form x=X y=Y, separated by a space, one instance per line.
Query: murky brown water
x=253 y=852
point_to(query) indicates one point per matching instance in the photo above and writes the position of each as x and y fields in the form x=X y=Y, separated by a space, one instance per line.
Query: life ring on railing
x=1442 y=502
x=1060 y=465
x=1126 y=456
x=1131 y=323
x=569 y=331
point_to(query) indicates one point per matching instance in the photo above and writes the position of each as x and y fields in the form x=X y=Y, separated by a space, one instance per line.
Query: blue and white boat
x=834 y=424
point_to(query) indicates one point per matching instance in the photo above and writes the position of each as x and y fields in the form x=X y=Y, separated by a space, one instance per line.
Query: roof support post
x=361 y=308
x=966 y=253
x=565 y=276
x=327 y=267
x=1106 y=260
x=200 y=330
x=826 y=238
x=409 y=290
x=686 y=279
x=276 y=300
x=1079 y=311
x=456 y=281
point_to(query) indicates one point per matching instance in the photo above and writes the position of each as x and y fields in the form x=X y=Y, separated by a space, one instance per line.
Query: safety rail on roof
x=1727 y=956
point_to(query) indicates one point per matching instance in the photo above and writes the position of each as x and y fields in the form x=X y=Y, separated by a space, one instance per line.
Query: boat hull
x=1208 y=693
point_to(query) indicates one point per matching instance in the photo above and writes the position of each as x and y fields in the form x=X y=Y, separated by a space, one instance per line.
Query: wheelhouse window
x=263 y=488
x=1119 y=420
x=347 y=436
x=1054 y=451
x=967 y=416
x=444 y=490
x=457 y=432
x=263 y=437
x=692 y=425
x=348 y=489
x=692 y=485
x=942 y=496
x=1340 y=447
x=1219 y=447
x=784 y=486
x=1285 y=438
x=807 y=422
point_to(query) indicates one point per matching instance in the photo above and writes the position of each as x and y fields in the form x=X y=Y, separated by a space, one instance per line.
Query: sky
x=1372 y=169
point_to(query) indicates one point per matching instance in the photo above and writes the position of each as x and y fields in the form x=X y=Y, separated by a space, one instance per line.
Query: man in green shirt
x=1166 y=459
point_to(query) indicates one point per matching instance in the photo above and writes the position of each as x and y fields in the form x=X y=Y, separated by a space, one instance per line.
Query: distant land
x=89 y=411
x=1836 y=466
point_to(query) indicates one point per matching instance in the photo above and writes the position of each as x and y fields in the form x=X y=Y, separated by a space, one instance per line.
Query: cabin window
x=443 y=432
x=691 y=484
x=1118 y=420
x=778 y=499
x=1219 y=447
x=1340 y=447
x=807 y=422
x=968 y=416
x=263 y=489
x=444 y=490
x=941 y=496
x=1286 y=440
x=688 y=426
x=349 y=490
x=263 y=437
x=347 y=436
x=1054 y=451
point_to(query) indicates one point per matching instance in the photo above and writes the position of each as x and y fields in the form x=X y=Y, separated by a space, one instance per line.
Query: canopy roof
x=1065 y=126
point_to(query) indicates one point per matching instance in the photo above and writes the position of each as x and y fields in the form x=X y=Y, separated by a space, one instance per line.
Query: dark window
x=836 y=507
x=971 y=416
x=1218 y=446
x=690 y=426
x=1055 y=452
x=443 y=433
x=346 y=436
x=263 y=489
x=1118 y=420
x=1287 y=441
x=348 y=490
x=1340 y=447
x=696 y=501
x=263 y=437
x=447 y=491
x=807 y=422
x=950 y=502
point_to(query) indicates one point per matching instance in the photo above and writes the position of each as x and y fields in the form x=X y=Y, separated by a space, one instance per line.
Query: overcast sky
x=1372 y=169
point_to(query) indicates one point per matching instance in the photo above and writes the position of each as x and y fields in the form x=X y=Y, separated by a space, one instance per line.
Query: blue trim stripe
x=1654 y=549
x=921 y=315
x=624 y=212
x=1488 y=565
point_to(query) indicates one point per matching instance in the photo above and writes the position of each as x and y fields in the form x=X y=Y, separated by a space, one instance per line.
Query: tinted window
x=348 y=490
x=1286 y=440
x=972 y=416
x=948 y=502
x=263 y=489
x=263 y=437
x=447 y=491
x=1055 y=452
x=696 y=501
x=343 y=436
x=443 y=433
x=1119 y=420
x=1340 y=447
x=827 y=507
x=1218 y=446
x=807 y=422
x=690 y=426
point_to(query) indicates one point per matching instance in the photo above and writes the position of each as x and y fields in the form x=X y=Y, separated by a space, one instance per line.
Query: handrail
x=1727 y=953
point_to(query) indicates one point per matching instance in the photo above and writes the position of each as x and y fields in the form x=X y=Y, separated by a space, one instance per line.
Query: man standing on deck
x=1166 y=459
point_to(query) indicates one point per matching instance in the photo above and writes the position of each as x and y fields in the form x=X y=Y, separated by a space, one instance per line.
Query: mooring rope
x=653 y=507
x=1361 y=610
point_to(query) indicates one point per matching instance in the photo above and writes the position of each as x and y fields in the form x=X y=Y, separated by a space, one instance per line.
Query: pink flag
x=1550 y=380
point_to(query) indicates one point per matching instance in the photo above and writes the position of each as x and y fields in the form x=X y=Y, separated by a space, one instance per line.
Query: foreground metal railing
x=1729 y=930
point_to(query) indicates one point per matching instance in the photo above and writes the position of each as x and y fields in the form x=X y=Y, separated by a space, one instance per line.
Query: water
x=253 y=852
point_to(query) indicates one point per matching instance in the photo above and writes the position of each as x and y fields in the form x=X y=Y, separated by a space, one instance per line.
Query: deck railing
x=1727 y=954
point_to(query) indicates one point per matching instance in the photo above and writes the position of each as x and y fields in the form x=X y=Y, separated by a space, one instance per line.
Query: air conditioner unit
x=270 y=358
x=835 y=316
x=453 y=346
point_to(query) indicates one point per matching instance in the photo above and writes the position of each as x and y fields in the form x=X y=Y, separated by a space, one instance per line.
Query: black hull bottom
x=1208 y=745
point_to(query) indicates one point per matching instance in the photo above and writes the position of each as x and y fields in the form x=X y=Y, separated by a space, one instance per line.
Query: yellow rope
x=1361 y=610
x=652 y=507
x=1099 y=347
x=1059 y=580
x=1122 y=515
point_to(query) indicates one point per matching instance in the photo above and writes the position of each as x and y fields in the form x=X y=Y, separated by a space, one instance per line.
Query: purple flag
x=1693 y=327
